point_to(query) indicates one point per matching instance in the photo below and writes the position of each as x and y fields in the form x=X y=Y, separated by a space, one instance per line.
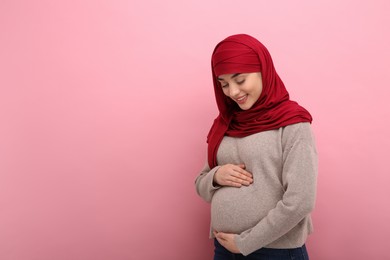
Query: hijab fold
x=242 y=53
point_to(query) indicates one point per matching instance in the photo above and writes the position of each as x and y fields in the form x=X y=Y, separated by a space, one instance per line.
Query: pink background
x=105 y=107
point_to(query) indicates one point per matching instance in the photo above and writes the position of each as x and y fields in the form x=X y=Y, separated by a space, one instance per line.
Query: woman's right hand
x=233 y=175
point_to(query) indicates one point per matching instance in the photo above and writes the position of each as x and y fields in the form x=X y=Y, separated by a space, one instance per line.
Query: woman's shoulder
x=302 y=131
x=301 y=126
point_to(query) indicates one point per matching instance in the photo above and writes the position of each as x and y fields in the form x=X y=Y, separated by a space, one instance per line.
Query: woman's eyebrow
x=233 y=76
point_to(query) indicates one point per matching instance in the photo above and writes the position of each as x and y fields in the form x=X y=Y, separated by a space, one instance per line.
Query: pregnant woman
x=260 y=176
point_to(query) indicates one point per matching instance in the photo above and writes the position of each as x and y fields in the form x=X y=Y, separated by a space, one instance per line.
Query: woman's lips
x=241 y=100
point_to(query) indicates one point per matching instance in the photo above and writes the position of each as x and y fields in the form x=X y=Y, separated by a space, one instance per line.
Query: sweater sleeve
x=204 y=183
x=299 y=182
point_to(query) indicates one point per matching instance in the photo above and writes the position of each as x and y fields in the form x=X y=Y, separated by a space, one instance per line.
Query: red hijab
x=243 y=54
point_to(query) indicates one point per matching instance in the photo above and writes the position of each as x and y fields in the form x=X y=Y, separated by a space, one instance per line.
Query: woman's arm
x=299 y=182
x=210 y=180
x=204 y=184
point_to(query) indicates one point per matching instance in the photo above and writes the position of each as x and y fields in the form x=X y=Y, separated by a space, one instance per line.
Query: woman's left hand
x=227 y=241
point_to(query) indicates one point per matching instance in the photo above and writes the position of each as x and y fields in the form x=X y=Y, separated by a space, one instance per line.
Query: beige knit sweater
x=274 y=211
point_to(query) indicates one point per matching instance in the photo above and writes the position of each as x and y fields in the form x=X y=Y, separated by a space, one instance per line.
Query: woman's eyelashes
x=238 y=82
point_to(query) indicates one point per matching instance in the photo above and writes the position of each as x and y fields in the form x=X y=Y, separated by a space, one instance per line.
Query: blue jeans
x=300 y=253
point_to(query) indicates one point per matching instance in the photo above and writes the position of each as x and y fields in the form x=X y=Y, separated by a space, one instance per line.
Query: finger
x=223 y=236
x=233 y=183
x=242 y=166
x=238 y=181
x=242 y=171
x=237 y=178
x=246 y=173
x=220 y=236
x=241 y=178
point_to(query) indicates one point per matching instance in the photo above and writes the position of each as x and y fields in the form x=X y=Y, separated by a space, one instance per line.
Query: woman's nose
x=233 y=90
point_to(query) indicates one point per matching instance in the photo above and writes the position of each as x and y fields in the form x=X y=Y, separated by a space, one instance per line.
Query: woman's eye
x=240 y=82
x=225 y=85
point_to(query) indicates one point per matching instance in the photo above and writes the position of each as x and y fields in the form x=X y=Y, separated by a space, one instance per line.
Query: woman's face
x=243 y=88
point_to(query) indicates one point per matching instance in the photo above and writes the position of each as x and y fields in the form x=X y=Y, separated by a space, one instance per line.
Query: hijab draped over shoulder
x=244 y=54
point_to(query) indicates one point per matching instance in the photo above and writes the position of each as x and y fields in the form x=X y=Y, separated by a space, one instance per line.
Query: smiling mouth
x=241 y=100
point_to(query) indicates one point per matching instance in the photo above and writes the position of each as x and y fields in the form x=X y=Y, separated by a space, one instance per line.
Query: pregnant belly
x=235 y=210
